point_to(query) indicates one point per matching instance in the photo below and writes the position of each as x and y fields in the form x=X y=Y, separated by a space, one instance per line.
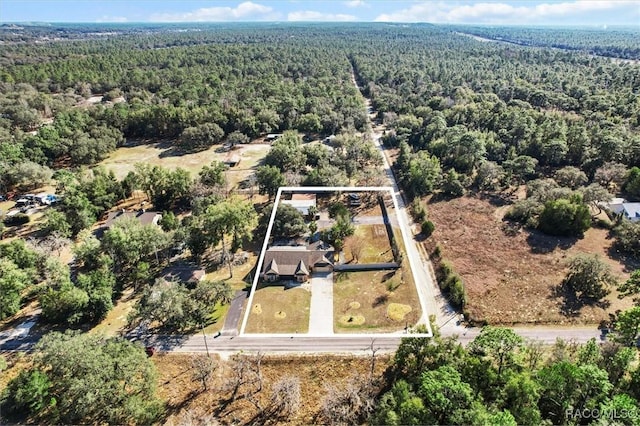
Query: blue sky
x=549 y=12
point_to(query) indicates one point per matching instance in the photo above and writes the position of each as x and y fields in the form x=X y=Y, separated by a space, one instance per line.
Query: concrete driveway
x=321 y=310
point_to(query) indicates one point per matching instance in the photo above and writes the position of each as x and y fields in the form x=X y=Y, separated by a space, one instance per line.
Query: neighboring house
x=144 y=217
x=296 y=262
x=301 y=202
x=188 y=274
x=631 y=211
x=621 y=207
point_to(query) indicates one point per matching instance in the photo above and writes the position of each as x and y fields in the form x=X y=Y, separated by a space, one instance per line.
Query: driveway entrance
x=321 y=310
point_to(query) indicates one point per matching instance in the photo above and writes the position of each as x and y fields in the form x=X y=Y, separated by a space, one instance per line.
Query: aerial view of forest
x=139 y=164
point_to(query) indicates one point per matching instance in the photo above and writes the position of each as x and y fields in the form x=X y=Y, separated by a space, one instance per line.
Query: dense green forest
x=465 y=116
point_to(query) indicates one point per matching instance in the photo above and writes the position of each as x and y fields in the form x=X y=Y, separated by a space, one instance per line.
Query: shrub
x=427 y=228
x=565 y=217
x=17 y=219
x=524 y=210
x=457 y=293
x=417 y=211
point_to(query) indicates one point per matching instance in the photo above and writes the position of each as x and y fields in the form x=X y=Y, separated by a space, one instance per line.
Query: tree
x=12 y=281
x=627 y=326
x=230 y=218
x=445 y=395
x=237 y=137
x=128 y=242
x=631 y=287
x=29 y=392
x=499 y=344
x=570 y=176
x=589 y=276
x=565 y=217
x=424 y=174
x=213 y=175
x=203 y=367
x=270 y=179
x=86 y=373
x=632 y=184
x=288 y=223
x=451 y=186
x=569 y=388
x=201 y=136
x=56 y=221
x=285 y=397
x=595 y=194
x=627 y=235
x=521 y=168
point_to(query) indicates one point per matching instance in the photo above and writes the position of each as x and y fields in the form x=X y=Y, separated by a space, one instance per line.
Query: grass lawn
x=276 y=310
x=122 y=160
x=374 y=301
x=116 y=319
x=376 y=247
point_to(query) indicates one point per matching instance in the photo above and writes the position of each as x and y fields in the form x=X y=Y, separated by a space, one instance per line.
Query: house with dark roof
x=296 y=262
x=184 y=273
x=142 y=216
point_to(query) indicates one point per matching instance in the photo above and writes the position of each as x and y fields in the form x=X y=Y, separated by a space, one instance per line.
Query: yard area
x=122 y=160
x=278 y=310
x=374 y=301
x=373 y=242
x=512 y=277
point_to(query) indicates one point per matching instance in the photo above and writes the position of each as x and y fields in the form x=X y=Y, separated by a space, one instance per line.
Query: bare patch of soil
x=512 y=275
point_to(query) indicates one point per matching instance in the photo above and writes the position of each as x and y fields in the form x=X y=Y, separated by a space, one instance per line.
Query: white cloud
x=247 y=11
x=493 y=13
x=355 y=3
x=310 y=15
x=107 y=18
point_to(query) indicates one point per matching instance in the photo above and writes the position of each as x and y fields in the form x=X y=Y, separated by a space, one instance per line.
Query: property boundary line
x=256 y=278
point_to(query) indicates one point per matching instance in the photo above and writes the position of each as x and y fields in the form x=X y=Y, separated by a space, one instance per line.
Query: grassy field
x=375 y=242
x=513 y=276
x=279 y=310
x=374 y=301
x=122 y=161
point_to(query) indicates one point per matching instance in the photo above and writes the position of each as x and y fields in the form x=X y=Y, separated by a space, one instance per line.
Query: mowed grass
x=374 y=301
x=123 y=160
x=276 y=310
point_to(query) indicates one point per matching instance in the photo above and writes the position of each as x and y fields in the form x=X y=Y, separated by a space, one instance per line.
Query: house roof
x=295 y=260
x=631 y=210
x=301 y=269
x=272 y=268
x=145 y=218
x=183 y=273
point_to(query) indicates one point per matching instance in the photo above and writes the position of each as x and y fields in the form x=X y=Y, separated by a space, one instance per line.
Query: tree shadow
x=572 y=302
x=630 y=262
x=498 y=199
x=541 y=243
x=380 y=300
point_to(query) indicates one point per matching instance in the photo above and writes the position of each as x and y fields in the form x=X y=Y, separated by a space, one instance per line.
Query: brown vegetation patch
x=511 y=275
x=185 y=397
